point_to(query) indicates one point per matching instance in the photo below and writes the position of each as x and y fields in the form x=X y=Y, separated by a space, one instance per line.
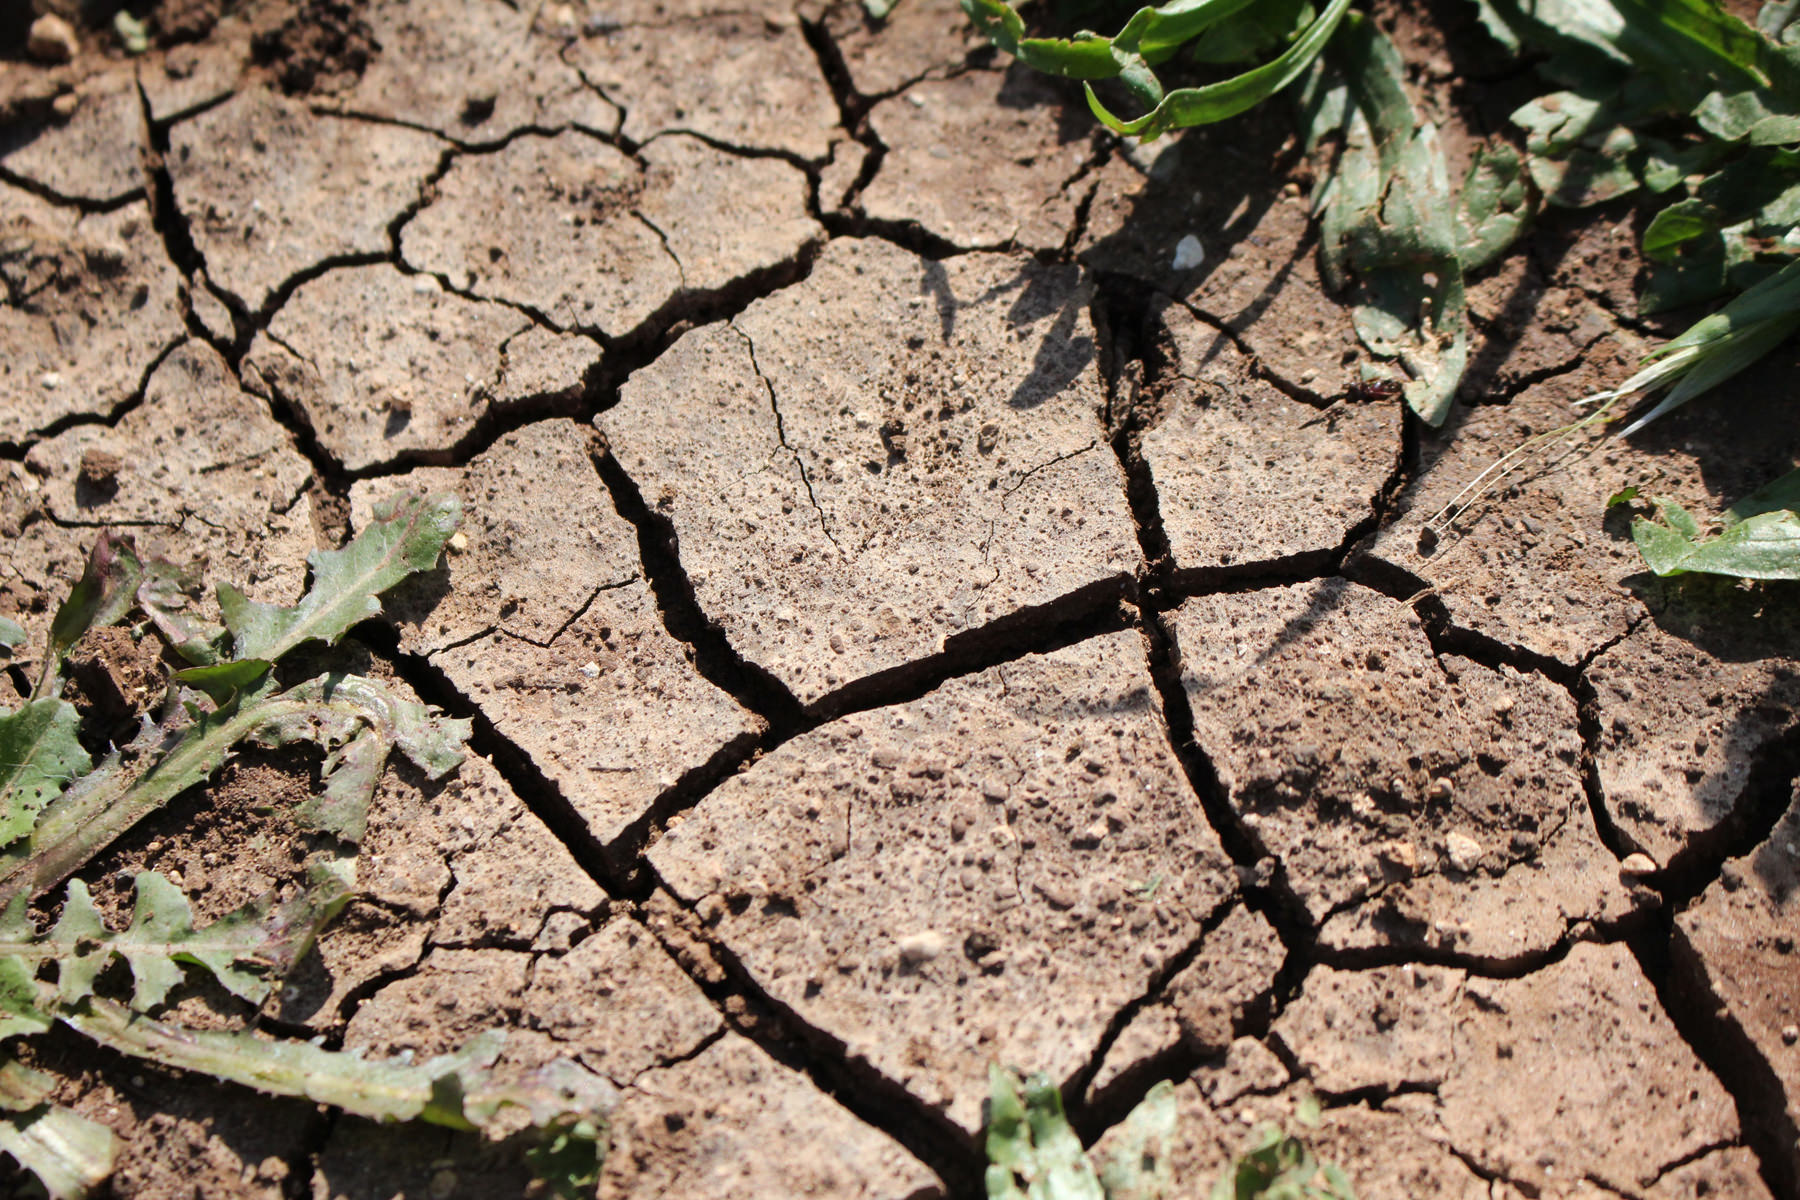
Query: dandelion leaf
x=406 y=536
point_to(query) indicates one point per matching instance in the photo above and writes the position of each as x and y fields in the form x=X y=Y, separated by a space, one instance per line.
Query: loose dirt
x=929 y=595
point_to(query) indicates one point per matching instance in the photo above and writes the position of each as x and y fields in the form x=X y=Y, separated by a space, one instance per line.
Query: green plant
x=1033 y=1154
x=1280 y=1166
x=59 y=808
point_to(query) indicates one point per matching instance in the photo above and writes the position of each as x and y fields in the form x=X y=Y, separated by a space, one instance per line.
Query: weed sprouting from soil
x=1034 y=1154
x=59 y=808
x=1681 y=104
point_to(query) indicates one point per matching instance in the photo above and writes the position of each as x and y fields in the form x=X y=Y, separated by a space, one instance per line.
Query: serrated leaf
x=455 y=1090
x=69 y=1154
x=360 y=721
x=12 y=634
x=406 y=536
x=103 y=594
x=40 y=755
x=246 y=951
x=1624 y=495
x=21 y=1000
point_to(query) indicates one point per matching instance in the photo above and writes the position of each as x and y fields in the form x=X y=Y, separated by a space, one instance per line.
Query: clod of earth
x=950 y=447
x=1030 y=819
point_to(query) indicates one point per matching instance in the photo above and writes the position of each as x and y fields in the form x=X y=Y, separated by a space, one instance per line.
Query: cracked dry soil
x=907 y=623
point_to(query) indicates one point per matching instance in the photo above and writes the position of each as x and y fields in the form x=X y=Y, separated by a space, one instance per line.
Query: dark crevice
x=80 y=204
x=303 y=1171
x=853 y=107
x=1102 y=607
x=713 y=655
x=527 y=780
x=1681 y=980
x=1263 y=877
x=823 y=1059
x=1091 y=1120
x=110 y=418
x=804 y=165
x=579 y=612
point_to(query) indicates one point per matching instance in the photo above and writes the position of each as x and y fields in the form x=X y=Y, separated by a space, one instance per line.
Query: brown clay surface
x=909 y=622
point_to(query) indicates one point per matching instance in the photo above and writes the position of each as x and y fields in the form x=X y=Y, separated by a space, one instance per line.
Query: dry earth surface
x=908 y=623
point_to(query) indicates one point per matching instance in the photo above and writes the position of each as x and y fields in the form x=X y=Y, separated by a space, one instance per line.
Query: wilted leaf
x=1493 y=207
x=40 y=755
x=167 y=595
x=103 y=595
x=455 y=1090
x=406 y=536
x=69 y=1154
x=359 y=721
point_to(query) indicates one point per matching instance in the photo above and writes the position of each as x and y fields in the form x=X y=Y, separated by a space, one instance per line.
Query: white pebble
x=50 y=380
x=921 y=947
x=1463 y=852
x=1189 y=253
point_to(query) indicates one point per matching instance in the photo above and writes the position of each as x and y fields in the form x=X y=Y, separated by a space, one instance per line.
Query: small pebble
x=1463 y=851
x=459 y=542
x=1637 y=864
x=50 y=381
x=921 y=947
x=1441 y=789
x=1189 y=253
x=51 y=40
x=1790 y=1034
x=591 y=670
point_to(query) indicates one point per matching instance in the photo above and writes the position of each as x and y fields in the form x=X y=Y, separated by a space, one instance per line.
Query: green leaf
x=1624 y=495
x=40 y=755
x=12 y=634
x=103 y=595
x=1187 y=107
x=246 y=951
x=1139 y=1166
x=70 y=1155
x=1493 y=207
x=565 y=1102
x=1760 y=538
x=224 y=680
x=1033 y=1153
x=21 y=1000
x=879 y=9
x=406 y=536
